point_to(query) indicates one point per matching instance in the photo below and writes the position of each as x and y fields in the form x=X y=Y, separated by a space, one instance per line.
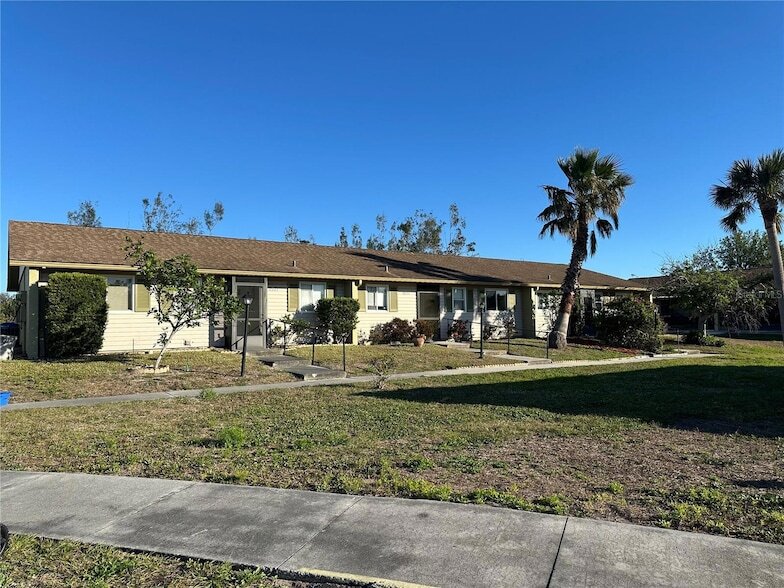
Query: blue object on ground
x=5 y=396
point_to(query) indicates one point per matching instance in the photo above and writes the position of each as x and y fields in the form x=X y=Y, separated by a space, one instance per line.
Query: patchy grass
x=46 y=563
x=105 y=375
x=405 y=358
x=531 y=347
x=695 y=444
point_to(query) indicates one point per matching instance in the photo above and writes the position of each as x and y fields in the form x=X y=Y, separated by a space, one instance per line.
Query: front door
x=255 y=318
x=428 y=306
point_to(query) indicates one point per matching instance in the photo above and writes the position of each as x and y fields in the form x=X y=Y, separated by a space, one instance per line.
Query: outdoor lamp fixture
x=247 y=299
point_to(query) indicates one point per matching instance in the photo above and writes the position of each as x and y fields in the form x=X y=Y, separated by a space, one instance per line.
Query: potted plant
x=424 y=331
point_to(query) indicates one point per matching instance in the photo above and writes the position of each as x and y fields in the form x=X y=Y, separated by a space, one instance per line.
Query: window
x=310 y=294
x=496 y=299
x=377 y=298
x=547 y=300
x=119 y=293
x=458 y=298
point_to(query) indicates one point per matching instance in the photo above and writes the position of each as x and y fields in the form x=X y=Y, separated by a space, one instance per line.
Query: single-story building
x=287 y=279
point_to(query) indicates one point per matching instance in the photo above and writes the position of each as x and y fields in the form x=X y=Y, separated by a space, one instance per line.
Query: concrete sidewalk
x=318 y=535
x=463 y=371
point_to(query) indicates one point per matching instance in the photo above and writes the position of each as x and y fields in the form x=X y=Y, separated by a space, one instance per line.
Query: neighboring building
x=676 y=318
x=286 y=279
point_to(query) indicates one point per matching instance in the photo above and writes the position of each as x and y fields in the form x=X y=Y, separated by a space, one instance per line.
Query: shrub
x=381 y=368
x=338 y=316
x=75 y=313
x=458 y=330
x=426 y=329
x=395 y=331
x=697 y=338
x=630 y=322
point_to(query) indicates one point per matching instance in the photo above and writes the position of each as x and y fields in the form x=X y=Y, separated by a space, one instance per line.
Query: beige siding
x=277 y=300
x=406 y=309
x=136 y=331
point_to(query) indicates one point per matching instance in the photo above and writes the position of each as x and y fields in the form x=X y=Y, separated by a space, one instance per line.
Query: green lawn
x=45 y=563
x=532 y=347
x=694 y=444
x=404 y=358
x=105 y=375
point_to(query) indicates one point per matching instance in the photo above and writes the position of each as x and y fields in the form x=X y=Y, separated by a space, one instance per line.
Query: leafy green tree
x=356 y=236
x=701 y=292
x=340 y=317
x=596 y=185
x=291 y=235
x=84 y=216
x=342 y=238
x=163 y=215
x=760 y=185
x=743 y=250
x=75 y=312
x=183 y=298
x=9 y=305
x=423 y=232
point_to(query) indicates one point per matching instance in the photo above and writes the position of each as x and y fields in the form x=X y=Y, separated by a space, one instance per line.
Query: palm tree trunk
x=778 y=266
x=571 y=283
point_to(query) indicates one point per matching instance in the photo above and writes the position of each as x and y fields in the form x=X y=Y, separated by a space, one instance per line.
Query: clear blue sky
x=321 y=115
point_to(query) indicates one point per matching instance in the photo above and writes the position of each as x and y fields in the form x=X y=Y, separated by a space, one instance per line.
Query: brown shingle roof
x=31 y=243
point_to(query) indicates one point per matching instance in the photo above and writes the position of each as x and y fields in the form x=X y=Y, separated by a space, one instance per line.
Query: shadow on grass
x=720 y=399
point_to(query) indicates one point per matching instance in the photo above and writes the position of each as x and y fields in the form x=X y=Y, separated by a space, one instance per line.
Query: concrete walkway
x=317 y=535
x=479 y=370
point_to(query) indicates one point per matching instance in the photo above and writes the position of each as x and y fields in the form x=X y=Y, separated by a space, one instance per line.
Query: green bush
x=338 y=316
x=395 y=331
x=630 y=322
x=697 y=338
x=75 y=312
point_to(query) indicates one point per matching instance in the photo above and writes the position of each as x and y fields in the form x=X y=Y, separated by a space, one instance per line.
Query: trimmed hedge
x=75 y=313
x=338 y=316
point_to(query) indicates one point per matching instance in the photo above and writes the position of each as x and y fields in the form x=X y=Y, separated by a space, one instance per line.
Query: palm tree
x=759 y=184
x=597 y=186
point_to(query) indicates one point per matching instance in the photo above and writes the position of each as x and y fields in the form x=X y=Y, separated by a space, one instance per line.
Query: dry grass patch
x=693 y=444
x=403 y=358
x=106 y=375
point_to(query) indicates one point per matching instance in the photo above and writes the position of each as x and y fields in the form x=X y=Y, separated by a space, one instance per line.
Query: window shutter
x=362 y=299
x=470 y=299
x=449 y=299
x=330 y=291
x=393 y=300
x=511 y=300
x=142 y=296
x=293 y=297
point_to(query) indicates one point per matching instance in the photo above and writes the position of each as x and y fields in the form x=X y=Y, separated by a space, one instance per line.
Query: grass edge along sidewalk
x=403 y=540
x=462 y=371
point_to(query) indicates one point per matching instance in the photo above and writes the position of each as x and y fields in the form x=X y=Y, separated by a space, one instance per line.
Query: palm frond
x=770 y=175
x=726 y=197
x=604 y=227
x=741 y=176
x=593 y=243
x=737 y=215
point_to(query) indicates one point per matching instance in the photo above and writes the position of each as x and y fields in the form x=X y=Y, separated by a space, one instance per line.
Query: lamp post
x=247 y=299
x=482 y=328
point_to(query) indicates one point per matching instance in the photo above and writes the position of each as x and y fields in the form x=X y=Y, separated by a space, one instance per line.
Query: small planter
x=419 y=341
x=5 y=396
